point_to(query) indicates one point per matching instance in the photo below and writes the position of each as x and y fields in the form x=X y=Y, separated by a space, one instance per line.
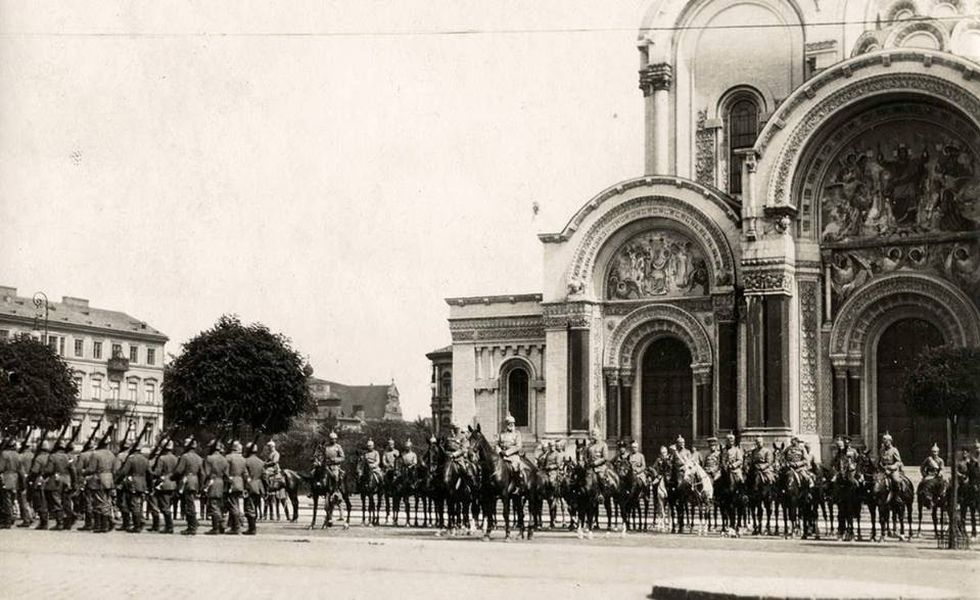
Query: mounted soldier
x=333 y=456
x=799 y=462
x=389 y=458
x=681 y=458
x=932 y=466
x=273 y=472
x=638 y=464
x=551 y=463
x=734 y=458
x=713 y=459
x=370 y=461
x=236 y=487
x=846 y=460
x=408 y=458
x=762 y=461
x=458 y=451
x=596 y=454
x=509 y=444
x=890 y=463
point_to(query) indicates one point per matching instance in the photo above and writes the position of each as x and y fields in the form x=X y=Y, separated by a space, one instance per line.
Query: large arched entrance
x=667 y=401
x=898 y=349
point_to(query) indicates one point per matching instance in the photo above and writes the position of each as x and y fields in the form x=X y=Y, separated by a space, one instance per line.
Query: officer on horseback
x=712 y=460
x=762 y=461
x=510 y=443
x=333 y=455
x=552 y=462
x=734 y=457
x=408 y=458
x=890 y=460
x=798 y=461
x=932 y=466
x=390 y=457
x=596 y=451
x=371 y=459
x=637 y=463
x=846 y=459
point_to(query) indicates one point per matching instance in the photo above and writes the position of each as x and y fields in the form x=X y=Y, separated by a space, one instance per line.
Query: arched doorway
x=898 y=349
x=666 y=406
x=517 y=397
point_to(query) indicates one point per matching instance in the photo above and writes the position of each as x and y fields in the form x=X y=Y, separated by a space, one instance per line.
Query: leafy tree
x=36 y=386
x=945 y=382
x=233 y=377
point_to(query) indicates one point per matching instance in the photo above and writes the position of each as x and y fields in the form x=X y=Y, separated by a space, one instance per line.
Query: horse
x=331 y=485
x=499 y=481
x=546 y=486
x=633 y=491
x=693 y=490
x=583 y=497
x=931 y=494
x=460 y=485
x=889 y=499
x=370 y=486
x=732 y=500
x=797 y=499
x=822 y=499
x=408 y=482
x=762 y=495
x=968 y=493
x=847 y=491
x=658 y=474
x=282 y=491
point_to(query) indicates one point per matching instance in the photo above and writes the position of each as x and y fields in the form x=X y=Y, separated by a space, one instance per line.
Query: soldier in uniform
x=509 y=444
x=26 y=457
x=132 y=473
x=163 y=468
x=712 y=460
x=58 y=480
x=333 y=456
x=101 y=484
x=799 y=462
x=890 y=462
x=254 y=485
x=83 y=503
x=409 y=459
x=595 y=457
x=215 y=475
x=681 y=458
x=762 y=461
x=932 y=466
x=846 y=460
x=389 y=459
x=9 y=482
x=371 y=460
x=734 y=458
x=35 y=478
x=236 y=487
x=122 y=491
x=552 y=463
x=637 y=463
x=190 y=472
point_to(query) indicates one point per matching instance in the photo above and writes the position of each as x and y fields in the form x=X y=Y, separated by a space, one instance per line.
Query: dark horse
x=931 y=494
x=408 y=483
x=499 y=481
x=370 y=486
x=848 y=491
x=762 y=495
x=332 y=487
x=732 y=499
x=288 y=482
x=458 y=480
x=634 y=497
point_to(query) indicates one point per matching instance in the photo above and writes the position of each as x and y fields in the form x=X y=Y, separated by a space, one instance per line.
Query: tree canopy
x=945 y=382
x=36 y=386
x=233 y=375
x=296 y=446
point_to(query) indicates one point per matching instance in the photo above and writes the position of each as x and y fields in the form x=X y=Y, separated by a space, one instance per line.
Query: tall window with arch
x=518 y=394
x=446 y=385
x=743 y=128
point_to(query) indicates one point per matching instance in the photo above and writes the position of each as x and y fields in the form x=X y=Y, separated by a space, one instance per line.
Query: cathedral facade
x=808 y=221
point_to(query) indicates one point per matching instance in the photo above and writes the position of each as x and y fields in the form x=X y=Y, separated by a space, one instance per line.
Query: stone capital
x=656 y=78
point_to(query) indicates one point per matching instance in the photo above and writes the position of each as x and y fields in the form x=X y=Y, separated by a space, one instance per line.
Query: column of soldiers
x=54 y=485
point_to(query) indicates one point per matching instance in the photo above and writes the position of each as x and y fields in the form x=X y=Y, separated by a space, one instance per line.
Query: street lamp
x=41 y=301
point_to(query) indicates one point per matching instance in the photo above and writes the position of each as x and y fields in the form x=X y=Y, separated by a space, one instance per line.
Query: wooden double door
x=666 y=395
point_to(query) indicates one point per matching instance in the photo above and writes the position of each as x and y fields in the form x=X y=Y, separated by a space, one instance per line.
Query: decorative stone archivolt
x=906 y=294
x=818 y=112
x=721 y=261
x=658 y=320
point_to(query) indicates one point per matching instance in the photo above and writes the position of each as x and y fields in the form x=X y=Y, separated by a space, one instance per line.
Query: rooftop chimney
x=76 y=302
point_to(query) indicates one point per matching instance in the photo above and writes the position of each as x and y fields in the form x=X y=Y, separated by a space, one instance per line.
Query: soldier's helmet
x=887 y=437
x=594 y=434
x=796 y=439
x=408 y=443
x=432 y=439
x=510 y=419
x=846 y=439
x=680 y=439
x=370 y=443
x=712 y=440
x=236 y=446
x=730 y=436
x=333 y=435
x=190 y=443
x=169 y=445
x=213 y=445
x=935 y=448
x=391 y=442
x=250 y=448
x=634 y=444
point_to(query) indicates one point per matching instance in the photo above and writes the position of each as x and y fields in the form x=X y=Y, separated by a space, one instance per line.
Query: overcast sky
x=180 y=160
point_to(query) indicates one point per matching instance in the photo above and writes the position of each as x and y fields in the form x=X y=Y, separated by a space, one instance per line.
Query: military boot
x=87 y=526
x=251 y=526
x=42 y=522
x=155 y=525
x=98 y=523
x=125 y=522
x=215 y=530
x=58 y=524
x=168 y=523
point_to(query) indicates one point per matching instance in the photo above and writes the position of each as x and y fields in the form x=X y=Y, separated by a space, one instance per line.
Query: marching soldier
x=35 y=478
x=9 y=482
x=57 y=479
x=509 y=443
x=84 y=496
x=798 y=461
x=712 y=460
x=122 y=491
x=132 y=474
x=164 y=466
x=190 y=471
x=215 y=474
x=101 y=483
x=762 y=461
x=236 y=487
x=637 y=463
x=932 y=466
x=24 y=500
x=255 y=485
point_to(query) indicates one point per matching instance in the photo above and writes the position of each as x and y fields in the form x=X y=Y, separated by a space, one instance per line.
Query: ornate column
x=840 y=401
x=612 y=403
x=626 y=401
x=727 y=361
x=704 y=402
x=655 y=82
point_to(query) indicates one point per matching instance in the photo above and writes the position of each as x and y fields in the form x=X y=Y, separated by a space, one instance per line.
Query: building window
x=79 y=347
x=151 y=392
x=151 y=356
x=517 y=397
x=446 y=385
x=133 y=390
x=134 y=354
x=4 y=334
x=53 y=343
x=96 y=389
x=743 y=128
x=79 y=382
x=114 y=390
x=96 y=350
x=116 y=350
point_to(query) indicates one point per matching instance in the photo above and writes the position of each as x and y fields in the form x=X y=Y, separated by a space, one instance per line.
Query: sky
x=334 y=170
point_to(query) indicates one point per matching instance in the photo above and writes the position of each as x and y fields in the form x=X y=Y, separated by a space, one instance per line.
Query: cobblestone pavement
x=288 y=560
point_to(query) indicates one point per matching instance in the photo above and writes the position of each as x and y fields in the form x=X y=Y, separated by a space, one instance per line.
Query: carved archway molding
x=702 y=228
x=652 y=321
x=811 y=112
x=895 y=296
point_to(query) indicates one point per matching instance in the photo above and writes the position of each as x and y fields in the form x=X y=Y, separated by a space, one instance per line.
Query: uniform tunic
x=712 y=463
x=333 y=457
x=762 y=462
x=57 y=480
x=388 y=459
x=133 y=472
x=372 y=462
x=638 y=464
x=510 y=443
x=932 y=467
x=409 y=458
x=190 y=471
x=255 y=487
x=236 y=486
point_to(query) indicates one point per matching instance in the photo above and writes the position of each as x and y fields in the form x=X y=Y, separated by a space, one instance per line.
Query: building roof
x=75 y=312
x=372 y=399
x=445 y=351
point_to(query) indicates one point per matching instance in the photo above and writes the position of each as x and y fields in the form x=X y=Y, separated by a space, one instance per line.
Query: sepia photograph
x=440 y=299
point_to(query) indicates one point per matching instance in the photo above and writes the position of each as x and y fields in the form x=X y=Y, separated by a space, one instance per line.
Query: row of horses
x=461 y=495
